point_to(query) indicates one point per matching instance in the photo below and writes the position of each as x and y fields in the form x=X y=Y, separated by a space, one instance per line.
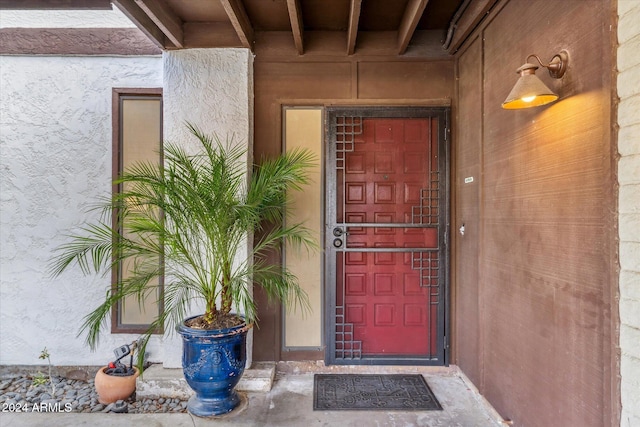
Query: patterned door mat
x=372 y=392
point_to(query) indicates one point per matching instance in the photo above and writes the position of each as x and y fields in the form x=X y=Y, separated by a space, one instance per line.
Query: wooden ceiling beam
x=165 y=19
x=354 y=21
x=410 y=19
x=297 y=26
x=240 y=21
x=142 y=21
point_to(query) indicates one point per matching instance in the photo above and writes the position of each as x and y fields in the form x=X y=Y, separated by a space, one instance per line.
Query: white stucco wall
x=64 y=19
x=212 y=89
x=629 y=207
x=55 y=145
x=55 y=159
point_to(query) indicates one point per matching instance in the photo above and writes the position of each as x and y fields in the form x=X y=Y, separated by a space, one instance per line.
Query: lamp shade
x=529 y=90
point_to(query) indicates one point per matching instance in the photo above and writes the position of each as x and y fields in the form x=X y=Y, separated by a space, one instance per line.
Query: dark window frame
x=118 y=96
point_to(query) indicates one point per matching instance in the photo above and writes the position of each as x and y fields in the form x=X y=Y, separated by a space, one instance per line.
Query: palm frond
x=187 y=220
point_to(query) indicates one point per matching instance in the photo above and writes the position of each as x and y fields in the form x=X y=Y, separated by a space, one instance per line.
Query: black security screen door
x=386 y=228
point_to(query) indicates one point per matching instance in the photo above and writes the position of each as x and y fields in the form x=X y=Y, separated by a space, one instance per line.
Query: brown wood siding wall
x=468 y=148
x=309 y=80
x=533 y=322
x=75 y=41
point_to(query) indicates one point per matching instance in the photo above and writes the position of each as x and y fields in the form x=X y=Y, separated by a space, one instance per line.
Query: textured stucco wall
x=64 y=19
x=55 y=130
x=212 y=89
x=629 y=207
x=55 y=159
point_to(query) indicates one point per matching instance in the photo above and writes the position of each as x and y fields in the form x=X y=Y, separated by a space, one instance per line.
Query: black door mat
x=372 y=392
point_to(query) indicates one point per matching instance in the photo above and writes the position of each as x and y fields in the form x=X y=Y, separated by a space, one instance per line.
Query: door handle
x=339 y=232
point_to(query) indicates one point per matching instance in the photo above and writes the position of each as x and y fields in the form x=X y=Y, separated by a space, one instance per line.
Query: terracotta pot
x=111 y=388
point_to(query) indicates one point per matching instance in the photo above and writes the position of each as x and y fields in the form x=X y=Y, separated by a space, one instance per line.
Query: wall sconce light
x=529 y=90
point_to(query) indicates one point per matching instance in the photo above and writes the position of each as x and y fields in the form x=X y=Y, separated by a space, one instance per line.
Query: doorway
x=386 y=252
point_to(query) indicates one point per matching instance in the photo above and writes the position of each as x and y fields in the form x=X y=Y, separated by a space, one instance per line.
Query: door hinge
x=446 y=134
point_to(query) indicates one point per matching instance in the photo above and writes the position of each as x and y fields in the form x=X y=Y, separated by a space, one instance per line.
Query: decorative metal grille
x=346 y=130
x=346 y=346
x=427 y=212
x=428 y=264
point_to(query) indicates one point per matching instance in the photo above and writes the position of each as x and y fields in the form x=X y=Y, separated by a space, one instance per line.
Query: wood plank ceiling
x=341 y=26
x=412 y=28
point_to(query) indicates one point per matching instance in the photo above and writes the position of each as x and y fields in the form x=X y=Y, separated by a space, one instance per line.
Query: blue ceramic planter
x=213 y=362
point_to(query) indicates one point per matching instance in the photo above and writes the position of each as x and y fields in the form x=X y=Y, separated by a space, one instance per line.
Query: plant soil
x=222 y=321
x=120 y=371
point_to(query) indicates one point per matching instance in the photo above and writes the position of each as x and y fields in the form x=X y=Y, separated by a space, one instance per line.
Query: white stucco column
x=628 y=65
x=212 y=89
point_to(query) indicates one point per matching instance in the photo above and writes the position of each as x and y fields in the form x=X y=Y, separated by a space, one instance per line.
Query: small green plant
x=40 y=378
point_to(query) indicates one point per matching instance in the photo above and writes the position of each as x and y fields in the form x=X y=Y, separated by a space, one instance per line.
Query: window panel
x=138 y=132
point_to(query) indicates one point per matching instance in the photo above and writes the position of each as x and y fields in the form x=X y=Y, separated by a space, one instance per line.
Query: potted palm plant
x=188 y=220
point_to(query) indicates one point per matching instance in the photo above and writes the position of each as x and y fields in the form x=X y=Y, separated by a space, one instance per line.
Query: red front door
x=384 y=238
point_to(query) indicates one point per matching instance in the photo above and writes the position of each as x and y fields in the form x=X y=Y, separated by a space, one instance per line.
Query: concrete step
x=157 y=381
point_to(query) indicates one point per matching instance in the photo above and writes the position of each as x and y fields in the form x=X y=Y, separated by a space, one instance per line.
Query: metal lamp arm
x=558 y=64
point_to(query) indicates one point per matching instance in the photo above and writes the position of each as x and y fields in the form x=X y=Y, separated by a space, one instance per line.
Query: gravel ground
x=18 y=394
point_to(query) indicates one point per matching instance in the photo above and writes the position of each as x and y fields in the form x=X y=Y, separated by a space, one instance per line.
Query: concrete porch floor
x=290 y=403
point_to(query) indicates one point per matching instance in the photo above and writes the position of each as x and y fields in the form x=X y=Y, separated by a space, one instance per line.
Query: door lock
x=337 y=243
